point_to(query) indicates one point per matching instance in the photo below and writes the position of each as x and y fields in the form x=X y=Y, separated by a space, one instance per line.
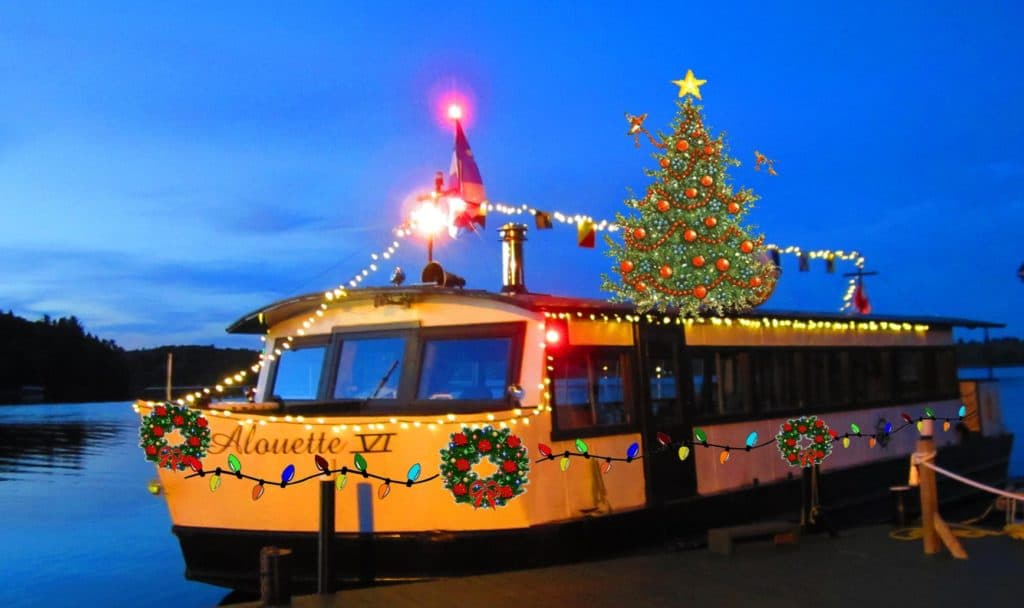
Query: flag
x=464 y=181
x=860 y=299
x=585 y=234
x=805 y=264
x=543 y=219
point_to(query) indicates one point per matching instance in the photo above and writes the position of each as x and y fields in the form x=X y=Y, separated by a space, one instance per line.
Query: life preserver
x=164 y=419
x=814 y=452
x=466 y=449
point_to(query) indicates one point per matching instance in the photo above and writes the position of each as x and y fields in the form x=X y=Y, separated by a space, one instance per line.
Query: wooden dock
x=863 y=567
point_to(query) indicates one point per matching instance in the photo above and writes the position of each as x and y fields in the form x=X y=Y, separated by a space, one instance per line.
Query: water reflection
x=28 y=447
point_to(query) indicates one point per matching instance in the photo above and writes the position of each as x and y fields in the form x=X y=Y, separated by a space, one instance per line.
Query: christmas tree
x=687 y=248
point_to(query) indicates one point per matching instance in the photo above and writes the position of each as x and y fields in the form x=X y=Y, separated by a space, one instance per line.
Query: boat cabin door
x=664 y=385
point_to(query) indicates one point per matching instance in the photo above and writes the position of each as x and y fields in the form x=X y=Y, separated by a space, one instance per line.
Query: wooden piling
x=275 y=576
x=933 y=528
x=325 y=539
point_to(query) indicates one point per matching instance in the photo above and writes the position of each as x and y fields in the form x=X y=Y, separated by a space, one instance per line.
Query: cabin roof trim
x=257 y=321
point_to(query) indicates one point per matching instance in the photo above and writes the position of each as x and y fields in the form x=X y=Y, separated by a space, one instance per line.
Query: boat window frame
x=338 y=337
x=834 y=402
x=298 y=343
x=630 y=380
x=516 y=330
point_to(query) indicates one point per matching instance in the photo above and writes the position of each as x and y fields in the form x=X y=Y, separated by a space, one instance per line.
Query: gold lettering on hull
x=244 y=441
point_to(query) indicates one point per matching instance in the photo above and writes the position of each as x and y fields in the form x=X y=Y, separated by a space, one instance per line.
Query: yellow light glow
x=428 y=219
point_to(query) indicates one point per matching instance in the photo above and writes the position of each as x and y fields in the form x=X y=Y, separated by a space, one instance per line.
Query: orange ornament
x=706 y=181
x=690 y=192
x=666 y=271
x=722 y=264
x=710 y=222
x=626 y=266
x=746 y=246
x=639 y=234
x=664 y=163
x=640 y=287
x=698 y=260
x=755 y=282
x=682 y=145
x=709 y=149
x=689 y=236
x=700 y=292
x=733 y=208
x=663 y=206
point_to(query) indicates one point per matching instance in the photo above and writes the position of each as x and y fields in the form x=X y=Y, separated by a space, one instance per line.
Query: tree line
x=57 y=361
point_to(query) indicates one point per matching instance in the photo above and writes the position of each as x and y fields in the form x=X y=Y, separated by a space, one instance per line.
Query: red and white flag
x=860 y=299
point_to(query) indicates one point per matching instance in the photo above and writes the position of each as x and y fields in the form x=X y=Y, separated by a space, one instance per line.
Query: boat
x=636 y=427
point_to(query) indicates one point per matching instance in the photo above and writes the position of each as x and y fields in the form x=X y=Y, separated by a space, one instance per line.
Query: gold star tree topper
x=689 y=85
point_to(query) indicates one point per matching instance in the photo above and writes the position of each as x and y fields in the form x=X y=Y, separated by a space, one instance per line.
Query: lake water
x=80 y=529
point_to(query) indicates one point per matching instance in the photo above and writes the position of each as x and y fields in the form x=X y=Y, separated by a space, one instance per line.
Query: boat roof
x=258 y=321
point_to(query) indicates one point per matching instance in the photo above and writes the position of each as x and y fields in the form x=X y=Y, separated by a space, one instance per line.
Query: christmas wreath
x=799 y=454
x=467 y=448
x=162 y=421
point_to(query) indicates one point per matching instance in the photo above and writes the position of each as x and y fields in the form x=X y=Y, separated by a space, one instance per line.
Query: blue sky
x=164 y=170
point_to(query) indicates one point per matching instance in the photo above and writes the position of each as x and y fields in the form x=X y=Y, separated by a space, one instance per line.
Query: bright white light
x=455 y=111
x=429 y=219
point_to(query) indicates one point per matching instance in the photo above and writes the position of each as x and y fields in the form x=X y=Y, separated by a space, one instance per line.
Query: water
x=80 y=529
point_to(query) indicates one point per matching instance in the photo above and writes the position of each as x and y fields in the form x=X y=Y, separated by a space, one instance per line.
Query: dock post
x=325 y=573
x=275 y=577
x=933 y=527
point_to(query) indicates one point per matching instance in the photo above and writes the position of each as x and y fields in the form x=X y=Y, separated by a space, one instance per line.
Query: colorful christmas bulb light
x=752 y=439
x=321 y=464
x=633 y=450
x=234 y=464
x=341 y=481
x=360 y=463
x=214 y=483
x=855 y=429
x=700 y=435
x=383 y=490
x=581 y=446
x=257 y=491
x=288 y=473
x=414 y=472
x=684 y=452
x=544 y=450
x=564 y=463
x=663 y=438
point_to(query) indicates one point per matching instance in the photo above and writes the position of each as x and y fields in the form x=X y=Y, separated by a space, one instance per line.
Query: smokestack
x=512 y=238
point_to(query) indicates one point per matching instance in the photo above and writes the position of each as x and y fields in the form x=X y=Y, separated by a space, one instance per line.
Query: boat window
x=705 y=383
x=662 y=383
x=839 y=378
x=734 y=374
x=590 y=389
x=945 y=374
x=465 y=369
x=770 y=378
x=297 y=375
x=911 y=374
x=369 y=368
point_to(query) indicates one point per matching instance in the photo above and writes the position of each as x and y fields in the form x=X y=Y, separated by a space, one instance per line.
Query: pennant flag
x=465 y=182
x=805 y=264
x=860 y=299
x=585 y=234
x=543 y=220
x=830 y=263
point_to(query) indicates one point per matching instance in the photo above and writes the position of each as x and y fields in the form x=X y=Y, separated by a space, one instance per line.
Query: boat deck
x=863 y=567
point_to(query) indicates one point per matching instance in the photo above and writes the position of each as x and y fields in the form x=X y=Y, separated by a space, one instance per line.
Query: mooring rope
x=926 y=458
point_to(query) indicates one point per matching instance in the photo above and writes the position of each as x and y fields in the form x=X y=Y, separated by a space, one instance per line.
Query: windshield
x=369 y=368
x=465 y=369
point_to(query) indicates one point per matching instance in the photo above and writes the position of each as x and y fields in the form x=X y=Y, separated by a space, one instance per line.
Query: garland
x=162 y=421
x=467 y=448
x=812 y=428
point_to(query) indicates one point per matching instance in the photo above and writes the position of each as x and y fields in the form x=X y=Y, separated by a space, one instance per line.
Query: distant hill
x=1000 y=352
x=57 y=361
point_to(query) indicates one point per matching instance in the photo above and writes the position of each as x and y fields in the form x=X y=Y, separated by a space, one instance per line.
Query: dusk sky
x=167 y=169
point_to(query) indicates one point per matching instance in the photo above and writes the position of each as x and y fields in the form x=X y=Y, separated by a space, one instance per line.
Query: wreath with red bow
x=467 y=448
x=818 y=447
x=163 y=420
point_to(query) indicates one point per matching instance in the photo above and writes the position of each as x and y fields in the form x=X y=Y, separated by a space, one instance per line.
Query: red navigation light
x=455 y=111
